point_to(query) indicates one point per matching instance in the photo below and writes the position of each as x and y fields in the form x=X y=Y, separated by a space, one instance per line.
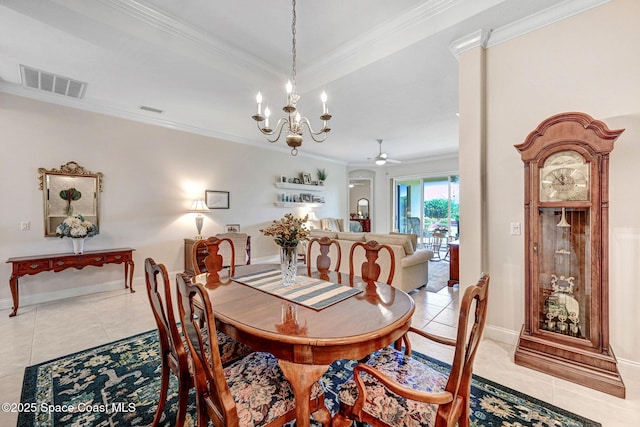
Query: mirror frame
x=70 y=176
x=363 y=204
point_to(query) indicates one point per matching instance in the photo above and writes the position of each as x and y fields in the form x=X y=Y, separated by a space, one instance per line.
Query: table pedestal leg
x=302 y=377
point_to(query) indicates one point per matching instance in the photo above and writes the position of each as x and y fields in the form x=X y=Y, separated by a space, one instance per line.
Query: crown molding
x=478 y=38
x=419 y=23
x=488 y=38
x=218 y=50
x=83 y=105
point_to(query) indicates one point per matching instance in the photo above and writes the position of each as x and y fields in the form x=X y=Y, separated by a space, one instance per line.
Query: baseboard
x=503 y=335
x=507 y=336
x=26 y=300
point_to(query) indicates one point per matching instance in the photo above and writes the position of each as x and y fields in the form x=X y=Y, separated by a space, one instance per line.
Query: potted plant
x=322 y=176
x=76 y=227
x=287 y=233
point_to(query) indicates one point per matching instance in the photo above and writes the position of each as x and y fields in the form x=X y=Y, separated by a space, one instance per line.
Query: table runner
x=308 y=291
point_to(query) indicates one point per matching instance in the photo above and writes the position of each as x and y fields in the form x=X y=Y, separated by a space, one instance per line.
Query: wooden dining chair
x=213 y=261
x=370 y=269
x=414 y=393
x=173 y=354
x=323 y=261
x=241 y=241
x=174 y=351
x=251 y=391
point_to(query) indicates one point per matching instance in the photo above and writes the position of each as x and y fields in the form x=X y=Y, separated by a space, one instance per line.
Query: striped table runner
x=308 y=291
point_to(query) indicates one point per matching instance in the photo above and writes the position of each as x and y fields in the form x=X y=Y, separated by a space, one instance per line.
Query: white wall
x=151 y=176
x=588 y=63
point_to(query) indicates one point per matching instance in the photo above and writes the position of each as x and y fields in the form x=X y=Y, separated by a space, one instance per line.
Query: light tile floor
x=45 y=331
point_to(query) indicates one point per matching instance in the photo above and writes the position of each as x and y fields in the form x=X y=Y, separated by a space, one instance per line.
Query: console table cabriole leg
x=13 y=285
x=128 y=275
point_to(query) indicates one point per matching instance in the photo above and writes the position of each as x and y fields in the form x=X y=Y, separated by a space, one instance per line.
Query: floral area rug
x=118 y=384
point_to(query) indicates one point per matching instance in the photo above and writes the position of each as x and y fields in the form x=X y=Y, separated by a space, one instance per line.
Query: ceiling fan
x=382 y=158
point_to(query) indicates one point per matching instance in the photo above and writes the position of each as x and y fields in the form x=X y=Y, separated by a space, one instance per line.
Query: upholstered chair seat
x=261 y=392
x=391 y=389
x=390 y=408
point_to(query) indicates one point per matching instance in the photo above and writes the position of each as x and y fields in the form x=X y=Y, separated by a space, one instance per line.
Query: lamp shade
x=312 y=216
x=199 y=206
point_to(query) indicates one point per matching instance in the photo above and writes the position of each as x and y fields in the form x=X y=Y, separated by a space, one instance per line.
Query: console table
x=57 y=262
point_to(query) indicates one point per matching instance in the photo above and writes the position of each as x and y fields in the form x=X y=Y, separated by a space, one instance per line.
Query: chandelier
x=293 y=122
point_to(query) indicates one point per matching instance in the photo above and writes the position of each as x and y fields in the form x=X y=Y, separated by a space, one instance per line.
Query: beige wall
x=151 y=176
x=587 y=63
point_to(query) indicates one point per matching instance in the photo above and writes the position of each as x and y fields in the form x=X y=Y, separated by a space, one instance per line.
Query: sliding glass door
x=429 y=205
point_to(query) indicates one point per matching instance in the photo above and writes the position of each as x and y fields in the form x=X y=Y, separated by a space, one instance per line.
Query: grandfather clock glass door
x=566 y=329
x=564 y=276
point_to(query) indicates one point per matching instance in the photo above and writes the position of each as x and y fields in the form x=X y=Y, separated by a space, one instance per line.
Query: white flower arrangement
x=76 y=226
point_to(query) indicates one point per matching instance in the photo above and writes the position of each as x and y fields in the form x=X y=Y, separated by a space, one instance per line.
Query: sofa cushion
x=353 y=237
x=413 y=237
x=392 y=239
x=323 y=233
x=332 y=224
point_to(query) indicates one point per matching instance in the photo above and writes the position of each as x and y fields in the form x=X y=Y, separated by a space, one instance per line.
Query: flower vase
x=78 y=245
x=288 y=264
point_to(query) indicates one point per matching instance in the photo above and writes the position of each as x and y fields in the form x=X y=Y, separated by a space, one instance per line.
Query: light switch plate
x=515 y=228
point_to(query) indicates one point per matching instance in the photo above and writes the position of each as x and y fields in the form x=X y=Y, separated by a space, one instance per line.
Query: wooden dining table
x=305 y=340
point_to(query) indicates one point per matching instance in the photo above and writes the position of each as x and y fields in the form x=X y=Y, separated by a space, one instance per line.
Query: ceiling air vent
x=151 y=109
x=47 y=82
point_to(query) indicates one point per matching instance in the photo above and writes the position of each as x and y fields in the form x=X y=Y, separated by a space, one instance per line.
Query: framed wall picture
x=216 y=199
x=232 y=228
x=306 y=178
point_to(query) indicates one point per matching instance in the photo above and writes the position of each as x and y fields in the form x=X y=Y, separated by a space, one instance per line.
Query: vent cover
x=48 y=82
x=151 y=109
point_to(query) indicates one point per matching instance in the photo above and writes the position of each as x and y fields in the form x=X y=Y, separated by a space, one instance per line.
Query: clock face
x=564 y=176
x=565 y=184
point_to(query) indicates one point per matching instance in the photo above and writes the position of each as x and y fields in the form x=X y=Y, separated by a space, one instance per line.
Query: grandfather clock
x=566 y=199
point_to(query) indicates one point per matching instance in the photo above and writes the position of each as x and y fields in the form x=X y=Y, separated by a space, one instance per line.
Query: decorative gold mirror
x=71 y=190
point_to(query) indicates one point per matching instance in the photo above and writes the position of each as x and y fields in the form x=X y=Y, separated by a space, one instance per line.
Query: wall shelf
x=299 y=187
x=298 y=204
x=297 y=193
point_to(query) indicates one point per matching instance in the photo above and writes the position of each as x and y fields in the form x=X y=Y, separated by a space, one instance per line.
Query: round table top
x=351 y=328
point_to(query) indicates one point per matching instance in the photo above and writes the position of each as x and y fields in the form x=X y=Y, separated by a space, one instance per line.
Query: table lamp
x=312 y=220
x=199 y=206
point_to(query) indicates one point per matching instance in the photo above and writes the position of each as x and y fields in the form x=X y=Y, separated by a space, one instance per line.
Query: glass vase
x=288 y=264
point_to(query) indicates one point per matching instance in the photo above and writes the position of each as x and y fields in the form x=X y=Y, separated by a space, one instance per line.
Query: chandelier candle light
x=293 y=121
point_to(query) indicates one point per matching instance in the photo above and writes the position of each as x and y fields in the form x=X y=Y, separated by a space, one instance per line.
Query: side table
x=454 y=263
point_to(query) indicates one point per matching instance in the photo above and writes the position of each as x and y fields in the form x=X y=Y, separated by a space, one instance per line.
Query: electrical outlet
x=515 y=228
x=25 y=226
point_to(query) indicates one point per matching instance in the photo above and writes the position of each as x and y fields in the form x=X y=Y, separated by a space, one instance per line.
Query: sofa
x=412 y=265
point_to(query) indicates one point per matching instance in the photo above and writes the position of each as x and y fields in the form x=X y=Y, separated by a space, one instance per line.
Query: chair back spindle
x=370 y=269
x=323 y=261
x=213 y=262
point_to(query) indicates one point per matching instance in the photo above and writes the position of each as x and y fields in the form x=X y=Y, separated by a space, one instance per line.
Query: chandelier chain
x=293 y=48
x=293 y=123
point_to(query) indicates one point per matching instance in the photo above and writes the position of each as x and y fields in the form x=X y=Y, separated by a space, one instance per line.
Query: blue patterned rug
x=118 y=384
